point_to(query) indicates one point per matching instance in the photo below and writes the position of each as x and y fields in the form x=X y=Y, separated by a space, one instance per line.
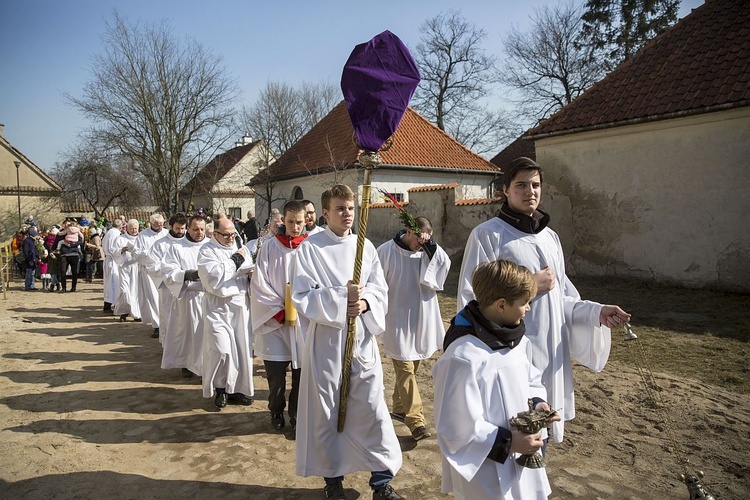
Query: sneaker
x=420 y=433
x=155 y=335
x=398 y=416
x=387 y=493
x=335 y=491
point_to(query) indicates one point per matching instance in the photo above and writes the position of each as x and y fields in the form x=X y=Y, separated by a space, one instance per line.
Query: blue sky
x=48 y=45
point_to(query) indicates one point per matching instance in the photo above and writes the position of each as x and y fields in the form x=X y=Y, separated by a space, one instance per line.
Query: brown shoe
x=420 y=433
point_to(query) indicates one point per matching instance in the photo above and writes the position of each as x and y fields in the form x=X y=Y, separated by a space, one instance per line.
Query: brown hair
x=518 y=165
x=294 y=206
x=424 y=224
x=502 y=279
x=338 y=191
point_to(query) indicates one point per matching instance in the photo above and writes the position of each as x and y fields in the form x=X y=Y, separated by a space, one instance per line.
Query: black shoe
x=387 y=493
x=335 y=491
x=220 y=400
x=63 y=290
x=277 y=421
x=420 y=433
x=138 y=320
x=123 y=317
x=238 y=398
x=187 y=373
x=398 y=416
x=155 y=335
x=73 y=289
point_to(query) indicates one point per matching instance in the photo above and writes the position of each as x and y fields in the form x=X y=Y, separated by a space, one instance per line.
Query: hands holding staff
x=355 y=305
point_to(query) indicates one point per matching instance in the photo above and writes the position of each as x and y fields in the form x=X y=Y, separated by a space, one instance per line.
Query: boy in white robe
x=227 y=359
x=183 y=341
x=127 y=297
x=158 y=268
x=148 y=284
x=415 y=269
x=561 y=326
x=111 y=273
x=483 y=379
x=277 y=342
x=325 y=297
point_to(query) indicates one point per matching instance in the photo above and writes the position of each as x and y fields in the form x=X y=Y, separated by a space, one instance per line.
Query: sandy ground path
x=86 y=412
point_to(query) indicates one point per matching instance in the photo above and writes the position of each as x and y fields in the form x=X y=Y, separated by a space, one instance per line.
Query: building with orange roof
x=221 y=185
x=646 y=173
x=420 y=155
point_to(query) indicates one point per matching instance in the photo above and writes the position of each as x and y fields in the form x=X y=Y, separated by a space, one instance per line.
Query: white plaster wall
x=666 y=200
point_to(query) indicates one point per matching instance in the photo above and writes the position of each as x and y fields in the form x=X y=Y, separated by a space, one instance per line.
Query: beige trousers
x=406 y=397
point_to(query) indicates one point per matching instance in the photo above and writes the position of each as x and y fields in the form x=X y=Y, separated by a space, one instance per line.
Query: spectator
x=251 y=228
x=31 y=255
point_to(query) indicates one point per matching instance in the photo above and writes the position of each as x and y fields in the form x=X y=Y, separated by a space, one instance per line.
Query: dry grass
x=697 y=334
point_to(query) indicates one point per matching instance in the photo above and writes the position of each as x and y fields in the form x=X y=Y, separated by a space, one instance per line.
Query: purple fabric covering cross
x=378 y=82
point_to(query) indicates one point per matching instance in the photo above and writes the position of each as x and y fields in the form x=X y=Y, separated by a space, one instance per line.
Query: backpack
x=20 y=258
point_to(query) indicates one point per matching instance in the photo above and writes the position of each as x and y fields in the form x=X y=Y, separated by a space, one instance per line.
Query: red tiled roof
x=217 y=168
x=416 y=143
x=440 y=187
x=477 y=201
x=700 y=64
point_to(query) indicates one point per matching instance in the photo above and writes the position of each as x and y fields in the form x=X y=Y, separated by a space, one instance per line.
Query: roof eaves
x=636 y=121
x=489 y=171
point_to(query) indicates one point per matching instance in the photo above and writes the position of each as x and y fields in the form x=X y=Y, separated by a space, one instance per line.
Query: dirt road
x=87 y=413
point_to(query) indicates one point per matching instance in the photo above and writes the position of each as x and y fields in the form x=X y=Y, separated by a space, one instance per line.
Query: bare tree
x=280 y=117
x=456 y=76
x=91 y=175
x=547 y=64
x=165 y=104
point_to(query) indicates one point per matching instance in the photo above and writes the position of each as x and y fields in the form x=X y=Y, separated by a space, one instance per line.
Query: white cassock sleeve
x=376 y=295
x=475 y=253
x=589 y=341
x=465 y=437
x=324 y=305
x=433 y=275
x=174 y=274
x=140 y=250
x=215 y=273
x=265 y=300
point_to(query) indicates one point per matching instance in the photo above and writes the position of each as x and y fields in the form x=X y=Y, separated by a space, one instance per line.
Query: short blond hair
x=338 y=191
x=502 y=279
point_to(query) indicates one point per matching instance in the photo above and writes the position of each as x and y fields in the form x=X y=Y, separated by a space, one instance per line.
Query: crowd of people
x=219 y=293
x=58 y=255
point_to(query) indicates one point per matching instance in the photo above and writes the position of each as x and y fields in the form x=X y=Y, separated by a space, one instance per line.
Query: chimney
x=246 y=139
x=2 y=130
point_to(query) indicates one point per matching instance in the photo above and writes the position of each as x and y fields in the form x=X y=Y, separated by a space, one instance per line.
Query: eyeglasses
x=226 y=235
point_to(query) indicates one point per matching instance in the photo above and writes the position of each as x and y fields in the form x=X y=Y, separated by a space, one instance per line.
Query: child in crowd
x=484 y=378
